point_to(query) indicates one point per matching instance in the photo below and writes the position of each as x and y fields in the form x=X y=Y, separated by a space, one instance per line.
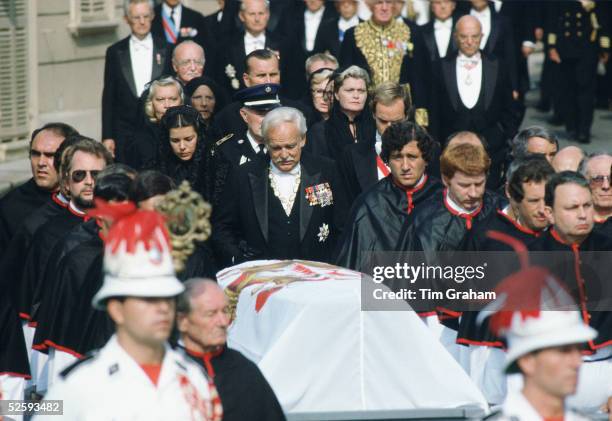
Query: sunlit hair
x=159 y=83
x=466 y=158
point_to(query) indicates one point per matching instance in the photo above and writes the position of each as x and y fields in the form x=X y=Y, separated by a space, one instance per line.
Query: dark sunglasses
x=79 y=175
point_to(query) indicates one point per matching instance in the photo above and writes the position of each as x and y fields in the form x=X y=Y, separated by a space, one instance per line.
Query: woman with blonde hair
x=163 y=93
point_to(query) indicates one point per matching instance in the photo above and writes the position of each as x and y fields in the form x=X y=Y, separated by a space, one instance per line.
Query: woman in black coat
x=183 y=154
x=208 y=98
x=350 y=121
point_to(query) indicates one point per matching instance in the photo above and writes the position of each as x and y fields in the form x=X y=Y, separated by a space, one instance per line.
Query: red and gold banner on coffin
x=274 y=276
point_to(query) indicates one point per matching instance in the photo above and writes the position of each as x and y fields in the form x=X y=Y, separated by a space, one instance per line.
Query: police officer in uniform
x=577 y=39
x=236 y=149
x=136 y=375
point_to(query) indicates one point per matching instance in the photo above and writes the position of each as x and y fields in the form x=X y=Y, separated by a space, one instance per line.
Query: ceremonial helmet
x=137 y=258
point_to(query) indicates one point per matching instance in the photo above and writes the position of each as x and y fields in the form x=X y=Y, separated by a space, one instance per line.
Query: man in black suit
x=475 y=94
x=497 y=38
x=234 y=150
x=254 y=15
x=177 y=23
x=290 y=207
x=130 y=64
x=304 y=26
x=260 y=66
x=333 y=30
x=437 y=34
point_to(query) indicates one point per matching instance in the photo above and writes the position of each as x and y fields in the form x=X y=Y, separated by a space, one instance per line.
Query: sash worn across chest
x=384 y=48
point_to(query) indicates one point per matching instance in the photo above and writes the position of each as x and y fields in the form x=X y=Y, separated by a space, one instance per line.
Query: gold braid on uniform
x=384 y=48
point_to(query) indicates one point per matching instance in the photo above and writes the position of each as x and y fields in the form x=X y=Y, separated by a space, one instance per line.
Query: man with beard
x=580 y=262
x=203 y=316
x=65 y=276
x=524 y=219
x=379 y=213
x=21 y=201
x=596 y=169
x=80 y=166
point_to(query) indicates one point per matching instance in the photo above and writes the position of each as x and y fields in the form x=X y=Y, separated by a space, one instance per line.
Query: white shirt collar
x=462 y=57
x=75 y=209
x=254 y=143
x=486 y=12
x=250 y=38
x=167 y=9
x=446 y=24
x=344 y=24
x=278 y=173
x=457 y=207
x=146 y=42
x=314 y=15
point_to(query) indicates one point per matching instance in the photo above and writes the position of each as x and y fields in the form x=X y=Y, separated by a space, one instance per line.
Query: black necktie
x=261 y=151
x=172 y=18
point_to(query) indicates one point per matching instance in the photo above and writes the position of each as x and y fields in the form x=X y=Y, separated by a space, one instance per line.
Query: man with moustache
x=379 y=213
x=233 y=151
x=18 y=203
x=203 y=317
x=291 y=206
x=129 y=65
x=570 y=211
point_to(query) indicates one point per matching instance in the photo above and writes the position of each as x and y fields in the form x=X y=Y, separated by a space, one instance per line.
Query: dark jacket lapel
x=309 y=178
x=259 y=189
x=495 y=31
x=125 y=62
x=489 y=76
x=449 y=69
x=430 y=40
x=159 y=58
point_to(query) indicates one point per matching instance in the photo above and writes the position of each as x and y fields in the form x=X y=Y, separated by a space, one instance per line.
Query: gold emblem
x=384 y=48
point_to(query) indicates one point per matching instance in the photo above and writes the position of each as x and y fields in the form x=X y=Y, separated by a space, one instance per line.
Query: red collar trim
x=601 y=221
x=519 y=226
x=556 y=236
x=467 y=216
x=60 y=199
x=206 y=357
x=75 y=211
x=409 y=192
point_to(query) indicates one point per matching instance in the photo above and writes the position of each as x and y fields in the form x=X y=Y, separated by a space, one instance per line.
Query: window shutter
x=13 y=71
x=94 y=10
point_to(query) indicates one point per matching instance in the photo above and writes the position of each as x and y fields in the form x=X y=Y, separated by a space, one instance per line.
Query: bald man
x=568 y=159
x=475 y=94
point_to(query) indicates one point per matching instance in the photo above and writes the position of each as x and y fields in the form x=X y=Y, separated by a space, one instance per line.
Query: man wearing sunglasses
x=596 y=169
x=80 y=165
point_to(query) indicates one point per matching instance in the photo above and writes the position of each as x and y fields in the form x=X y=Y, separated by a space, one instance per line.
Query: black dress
x=144 y=148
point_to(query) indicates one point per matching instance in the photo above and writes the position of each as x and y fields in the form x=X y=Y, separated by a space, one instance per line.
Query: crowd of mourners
x=315 y=135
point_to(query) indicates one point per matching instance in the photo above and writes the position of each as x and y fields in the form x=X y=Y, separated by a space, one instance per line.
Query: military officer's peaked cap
x=262 y=97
